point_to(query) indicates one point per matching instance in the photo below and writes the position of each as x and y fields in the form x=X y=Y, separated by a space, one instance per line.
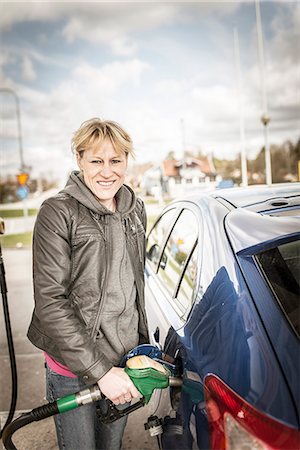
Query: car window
x=280 y=266
x=157 y=236
x=178 y=247
x=185 y=292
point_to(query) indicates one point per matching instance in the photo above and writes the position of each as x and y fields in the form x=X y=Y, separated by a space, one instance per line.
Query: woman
x=88 y=263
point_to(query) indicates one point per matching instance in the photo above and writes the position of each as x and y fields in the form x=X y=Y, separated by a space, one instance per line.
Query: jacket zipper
x=123 y=225
x=140 y=308
x=104 y=285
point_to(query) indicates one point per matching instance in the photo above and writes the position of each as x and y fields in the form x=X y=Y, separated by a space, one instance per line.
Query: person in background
x=88 y=264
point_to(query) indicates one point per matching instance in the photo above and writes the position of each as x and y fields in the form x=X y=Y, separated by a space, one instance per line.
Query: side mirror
x=153 y=253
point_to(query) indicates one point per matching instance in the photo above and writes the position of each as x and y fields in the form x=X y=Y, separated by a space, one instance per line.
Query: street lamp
x=182 y=137
x=13 y=93
x=22 y=177
x=265 y=119
x=241 y=109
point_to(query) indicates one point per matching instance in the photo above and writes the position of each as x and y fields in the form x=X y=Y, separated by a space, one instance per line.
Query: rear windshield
x=281 y=267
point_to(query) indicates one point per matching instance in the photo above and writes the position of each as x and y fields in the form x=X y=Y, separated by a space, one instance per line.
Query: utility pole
x=241 y=108
x=182 y=138
x=16 y=98
x=265 y=118
x=22 y=176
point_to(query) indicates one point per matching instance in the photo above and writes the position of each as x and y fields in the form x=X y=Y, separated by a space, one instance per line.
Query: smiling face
x=103 y=170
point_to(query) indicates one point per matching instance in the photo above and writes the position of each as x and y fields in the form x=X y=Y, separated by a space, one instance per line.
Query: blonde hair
x=95 y=131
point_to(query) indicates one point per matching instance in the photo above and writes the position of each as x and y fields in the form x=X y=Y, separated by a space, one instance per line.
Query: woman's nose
x=106 y=170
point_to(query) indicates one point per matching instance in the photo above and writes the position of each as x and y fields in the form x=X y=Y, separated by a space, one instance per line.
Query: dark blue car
x=222 y=298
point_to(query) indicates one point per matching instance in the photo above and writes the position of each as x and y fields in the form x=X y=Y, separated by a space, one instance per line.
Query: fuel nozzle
x=148 y=374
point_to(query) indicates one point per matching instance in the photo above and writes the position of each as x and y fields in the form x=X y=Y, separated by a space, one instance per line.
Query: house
x=170 y=177
x=189 y=169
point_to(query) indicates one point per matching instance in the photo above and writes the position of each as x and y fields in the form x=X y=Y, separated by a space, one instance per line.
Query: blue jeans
x=80 y=429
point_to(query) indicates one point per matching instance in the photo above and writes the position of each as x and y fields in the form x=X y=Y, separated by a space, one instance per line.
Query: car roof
x=246 y=228
x=258 y=213
x=260 y=198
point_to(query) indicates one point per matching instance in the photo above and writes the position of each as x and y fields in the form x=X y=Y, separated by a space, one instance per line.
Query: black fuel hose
x=59 y=406
x=10 y=344
x=40 y=413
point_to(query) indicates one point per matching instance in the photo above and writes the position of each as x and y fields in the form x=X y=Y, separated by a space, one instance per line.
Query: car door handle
x=155 y=337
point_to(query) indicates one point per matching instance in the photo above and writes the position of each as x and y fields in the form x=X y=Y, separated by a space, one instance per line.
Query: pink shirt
x=58 y=368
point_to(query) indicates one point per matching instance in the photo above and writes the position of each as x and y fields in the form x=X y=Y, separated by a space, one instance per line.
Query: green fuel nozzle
x=148 y=375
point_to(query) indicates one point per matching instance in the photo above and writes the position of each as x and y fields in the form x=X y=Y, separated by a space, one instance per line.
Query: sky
x=168 y=72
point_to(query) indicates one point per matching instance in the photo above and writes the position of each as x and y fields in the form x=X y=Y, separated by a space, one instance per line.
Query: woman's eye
x=96 y=161
x=116 y=161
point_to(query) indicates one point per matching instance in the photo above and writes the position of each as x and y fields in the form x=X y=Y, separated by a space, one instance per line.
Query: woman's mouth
x=105 y=183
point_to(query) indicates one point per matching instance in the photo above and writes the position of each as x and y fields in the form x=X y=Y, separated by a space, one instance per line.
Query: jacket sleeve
x=54 y=311
x=141 y=210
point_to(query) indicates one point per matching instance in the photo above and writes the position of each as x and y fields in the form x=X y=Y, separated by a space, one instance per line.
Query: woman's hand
x=117 y=386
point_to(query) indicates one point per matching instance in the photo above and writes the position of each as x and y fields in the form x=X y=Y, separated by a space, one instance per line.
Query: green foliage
x=284 y=163
x=229 y=169
x=17 y=240
x=12 y=213
x=150 y=222
x=180 y=257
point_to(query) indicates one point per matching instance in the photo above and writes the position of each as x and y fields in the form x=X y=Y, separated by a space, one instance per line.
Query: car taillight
x=237 y=425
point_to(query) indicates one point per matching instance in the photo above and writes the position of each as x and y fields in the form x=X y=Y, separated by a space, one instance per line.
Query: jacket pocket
x=75 y=303
x=84 y=237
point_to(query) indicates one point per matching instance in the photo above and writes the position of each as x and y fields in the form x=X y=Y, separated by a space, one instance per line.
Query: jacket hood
x=76 y=188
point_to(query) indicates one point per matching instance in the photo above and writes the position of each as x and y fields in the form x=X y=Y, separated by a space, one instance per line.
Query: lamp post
x=182 y=137
x=183 y=143
x=265 y=118
x=241 y=109
x=16 y=98
x=22 y=176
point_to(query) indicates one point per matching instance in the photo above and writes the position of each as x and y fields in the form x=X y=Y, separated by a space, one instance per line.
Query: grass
x=150 y=222
x=12 y=213
x=150 y=200
x=154 y=201
x=17 y=240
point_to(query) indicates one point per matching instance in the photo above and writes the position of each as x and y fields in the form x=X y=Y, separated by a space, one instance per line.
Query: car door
x=171 y=274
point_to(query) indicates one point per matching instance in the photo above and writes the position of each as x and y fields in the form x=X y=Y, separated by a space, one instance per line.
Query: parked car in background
x=222 y=298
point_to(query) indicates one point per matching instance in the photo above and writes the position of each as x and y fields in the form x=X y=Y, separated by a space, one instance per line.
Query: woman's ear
x=78 y=159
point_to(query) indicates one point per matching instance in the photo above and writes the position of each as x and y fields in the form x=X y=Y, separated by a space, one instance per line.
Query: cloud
x=19 y=12
x=28 y=71
x=110 y=77
x=153 y=78
x=5 y=58
x=124 y=47
x=218 y=102
x=112 y=23
x=126 y=14
x=283 y=69
x=286 y=29
x=89 y=92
